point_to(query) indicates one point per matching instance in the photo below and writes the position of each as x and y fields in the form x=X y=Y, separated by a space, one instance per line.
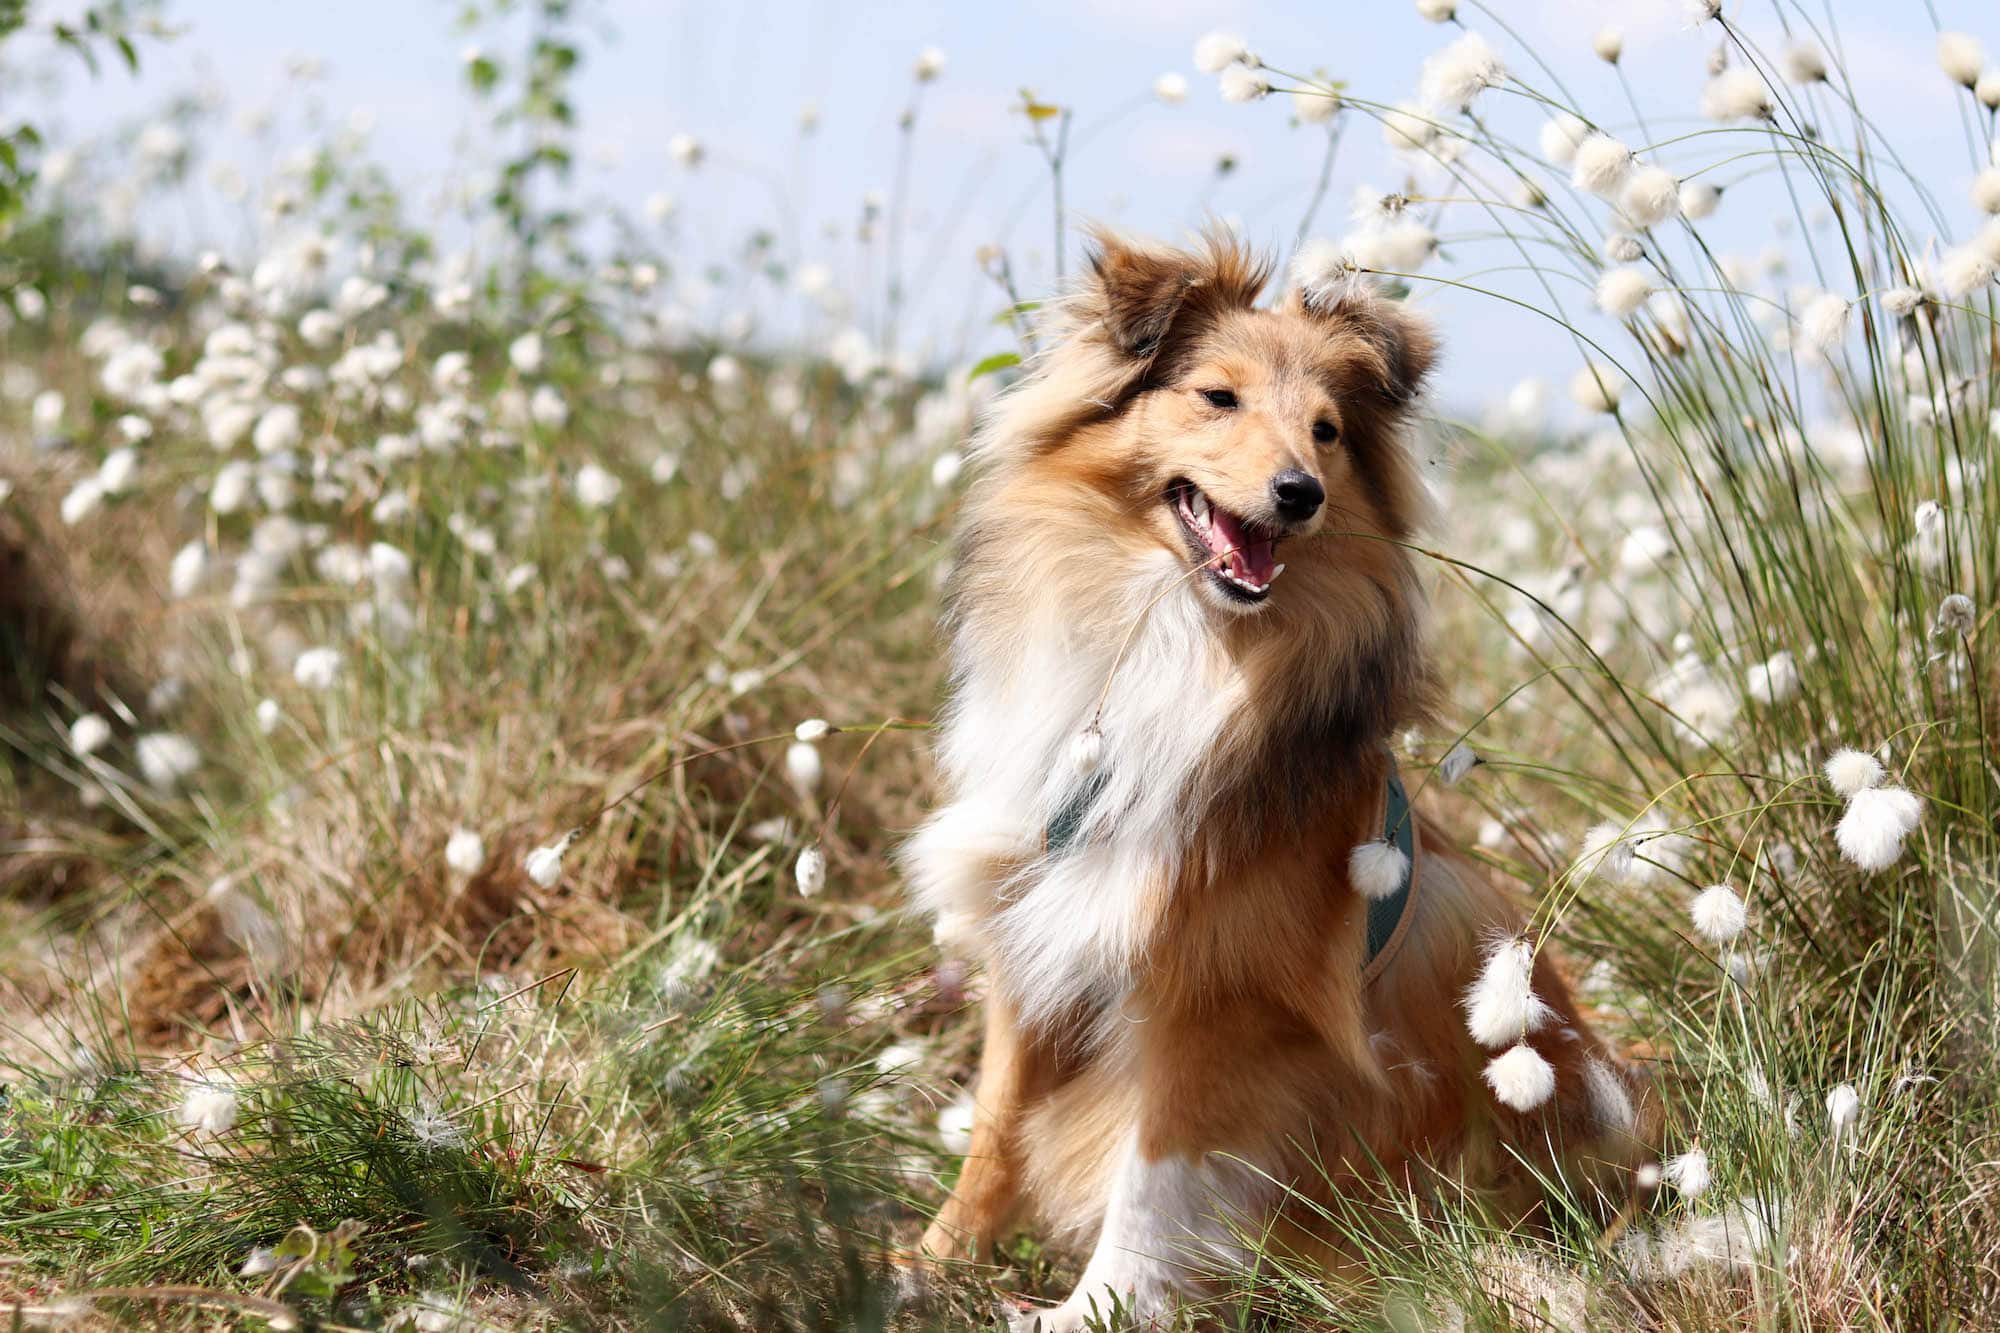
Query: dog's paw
x=1080 y=1312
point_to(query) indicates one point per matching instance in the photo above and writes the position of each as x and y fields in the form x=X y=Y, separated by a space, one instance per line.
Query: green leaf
x=997 y=362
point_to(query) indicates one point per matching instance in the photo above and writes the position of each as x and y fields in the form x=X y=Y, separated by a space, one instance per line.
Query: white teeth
x=1199 y=505
x=1274 y=573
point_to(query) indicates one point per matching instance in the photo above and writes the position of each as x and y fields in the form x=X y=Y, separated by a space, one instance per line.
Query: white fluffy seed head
x=1240 y=83
x=1823 y=322
x=1217 y=51
x=1622 y=291
x=810 y=871
x=1086 y=750
x=1843 y=1109
x=1560 y=135
x=1718 y=914
x=1452 y=79
x=464 y=852
x=1871 y=833
x=1699 y=200
x=812 y=730
x=1986 y=190
x=1651 y=196
x=1521 y=1078
x=1609 y=44
x=317 y=668
x=1170 y=89
x=1595 y=388
x=1377 y=868
x=802 y=767
x=1964 y=270
x=1437 y=11
x=1902 y=301
x=1853 y=771
x=1688 y=1173
x=1987 y=90
x=545 y=864
x=88 y=734
x=1804 y=62
x=1962 y=58
x=1458 y=761
x=1501 y=1005
x=167 y=759
x=1600 y=165
x=1774 y=680
x=1736 y=94
x=1324 y=273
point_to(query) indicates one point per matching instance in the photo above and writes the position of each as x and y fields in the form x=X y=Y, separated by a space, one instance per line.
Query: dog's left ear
x=1404 y=349
x=1145 y=297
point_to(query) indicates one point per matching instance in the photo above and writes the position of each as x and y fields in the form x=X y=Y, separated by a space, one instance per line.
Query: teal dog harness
x=1387 y=917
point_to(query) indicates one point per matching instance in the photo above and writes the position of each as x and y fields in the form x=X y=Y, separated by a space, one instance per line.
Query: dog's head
x=1243 y=439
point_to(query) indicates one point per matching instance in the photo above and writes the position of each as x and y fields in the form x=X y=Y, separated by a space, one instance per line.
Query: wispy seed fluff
x=1521 y=1078
x=1736 y=94
x=1852 y=771
x=1437 y=11
x=1609 y=44
x=545 y=864
x=1651 y=196
x=1961 y=57
x=1595 y=388
x=1240 y=83
x=1843 y=1110
x=1606 y=851
x=1699 y=200
x=1902 y=301
x=1871 y=833
x=1501 y=1005
x=1718 y=914
x=1804 y=62
x=1824 y=321
x=1086 y=750
x=1987 y=90
x=1219 y=50
x=1601 y=164
x=1964 y=270
x=1622 y=291
x=1986 y=190
x=810 y=871
x=1688 y=1173
x=1377 y=868
x=1453 y=78
x=1323 y=273
x=1774 y=680
x=1458 y=761
x=802 y=767
x=1560 y=135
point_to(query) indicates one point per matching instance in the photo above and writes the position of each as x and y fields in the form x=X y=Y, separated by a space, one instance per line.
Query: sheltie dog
x=1185 y=624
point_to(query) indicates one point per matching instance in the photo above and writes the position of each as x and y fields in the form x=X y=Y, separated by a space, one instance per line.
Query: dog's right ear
x=1140 y=296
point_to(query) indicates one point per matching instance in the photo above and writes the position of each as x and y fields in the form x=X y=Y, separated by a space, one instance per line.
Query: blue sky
x=736 y=75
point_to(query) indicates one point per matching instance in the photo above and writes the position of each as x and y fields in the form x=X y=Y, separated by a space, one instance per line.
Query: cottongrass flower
x=277 y=430
x=929 y=64
x=1902 y=302
x=1240 y=83
x=84 y=499
x=809 y=871
x=954 y=1126
x=1595 y=388
x=595 y=487
x=464 y=852
x=545 y=864
x=1824 y=321
x=526 y=354
x=1964 y=270
x=1437 y=11
x=1987 y=90
x=1217 y=51
x=1560 y=135
x=115 y=473
x=1956 y=614
x=1850 y=772
x=1606 y=851
x=1718 y=914
x=1962 y=58
x=1170 y=89
x=1609 y=44
x=269 y=715
x=813 y=730
x=1622 y=291
x=1377 y=868
x=1651 y=196
x=1406 y=128
x=166 y=759
x=1688 y=1173
x=1699 y=200
x=1457 y=762
x=1401 y=245
x=209 y=1105
x=88 y=734
x=1601 y=165
x=1521 y=1078
x=1623 y=248
x=1086 y=750
x=1986 y=190
x=317 y=668
x=1843 y=1110
x=1871 y=833
x=1501 y=1005
x=1736 y=94
x=1775 y=680
x=1453 y=78
x=802 y=767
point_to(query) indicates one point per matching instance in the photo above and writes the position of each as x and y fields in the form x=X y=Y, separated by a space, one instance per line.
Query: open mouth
x=1240 y=556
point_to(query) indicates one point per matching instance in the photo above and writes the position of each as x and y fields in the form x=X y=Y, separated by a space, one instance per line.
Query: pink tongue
x=1249 y=559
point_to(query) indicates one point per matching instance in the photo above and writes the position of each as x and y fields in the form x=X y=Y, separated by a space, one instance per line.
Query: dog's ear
x=1403 y=347
x=1143 y=296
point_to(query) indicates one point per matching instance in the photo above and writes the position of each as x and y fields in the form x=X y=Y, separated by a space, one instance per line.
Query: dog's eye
x=1222 y=398
x=1325 y=432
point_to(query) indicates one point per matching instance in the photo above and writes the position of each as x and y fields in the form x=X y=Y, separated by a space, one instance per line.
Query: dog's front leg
x=1185 y=1189
x=1014 y=1070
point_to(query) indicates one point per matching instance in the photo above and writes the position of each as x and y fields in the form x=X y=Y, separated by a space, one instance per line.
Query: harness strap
x=1388 y=918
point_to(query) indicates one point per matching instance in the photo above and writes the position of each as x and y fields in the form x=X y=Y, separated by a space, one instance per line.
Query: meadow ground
x=456 y=714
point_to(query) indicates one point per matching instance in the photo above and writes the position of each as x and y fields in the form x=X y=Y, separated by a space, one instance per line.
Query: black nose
x=1298 y=496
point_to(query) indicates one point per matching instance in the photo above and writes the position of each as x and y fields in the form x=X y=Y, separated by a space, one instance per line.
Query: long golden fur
x=1180 y=993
